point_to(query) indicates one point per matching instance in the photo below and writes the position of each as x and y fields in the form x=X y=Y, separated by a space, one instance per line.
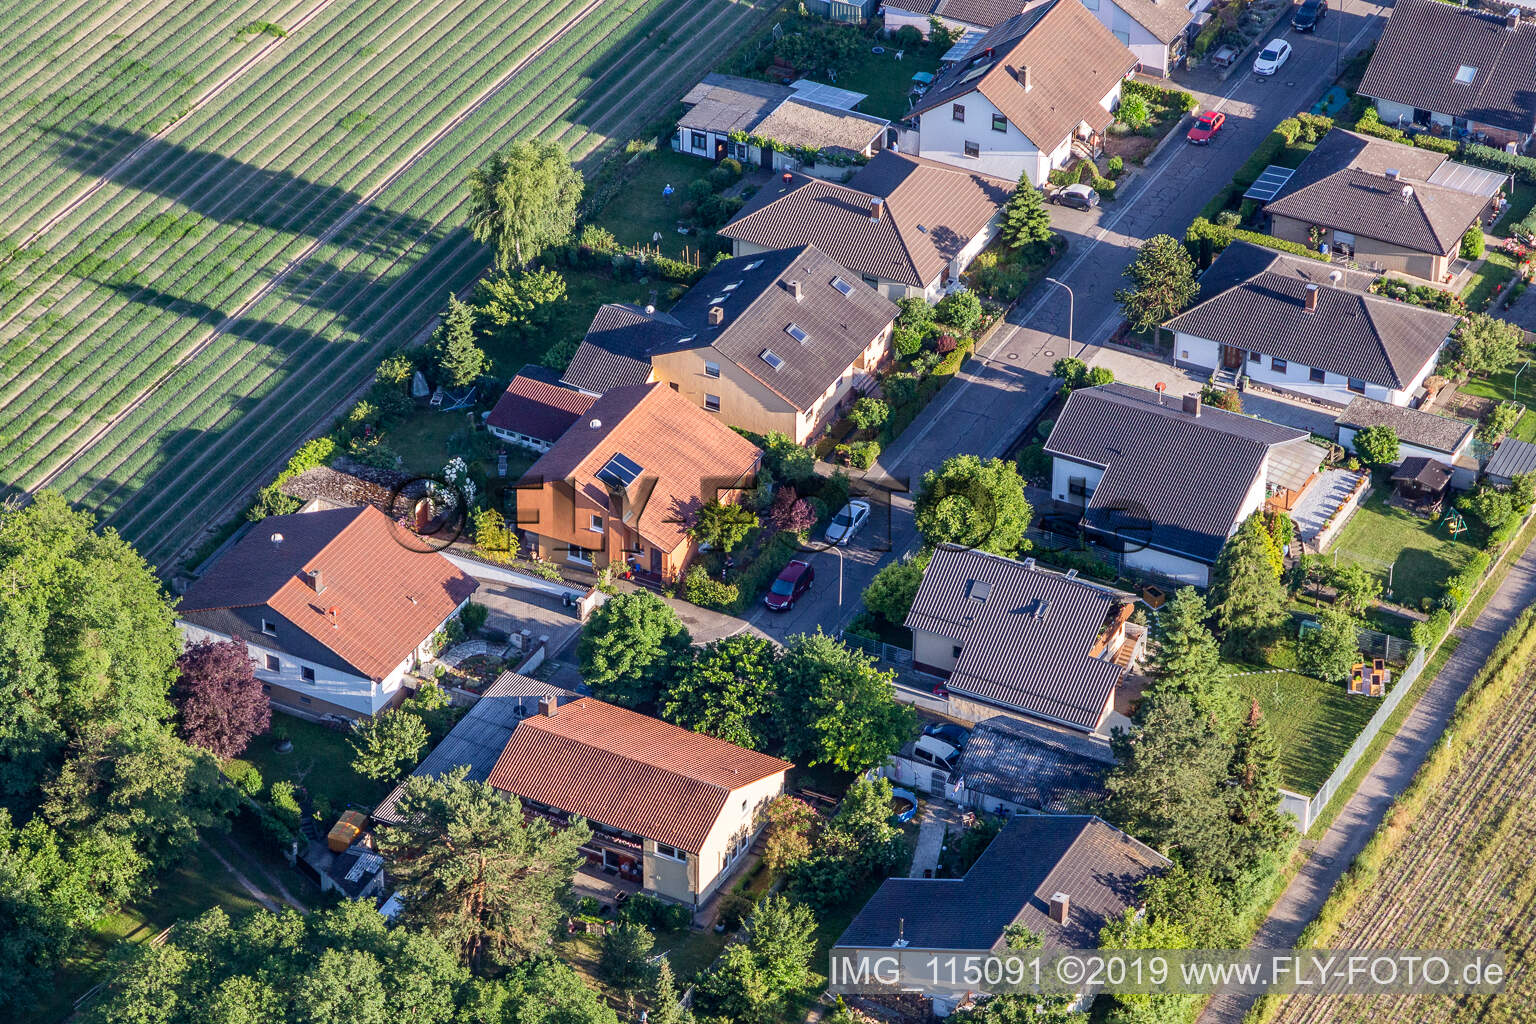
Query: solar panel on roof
x=1269 y=184
x=621 y=470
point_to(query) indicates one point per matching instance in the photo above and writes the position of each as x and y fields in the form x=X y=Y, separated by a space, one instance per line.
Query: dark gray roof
x=930 y=212
x=1513 y=458
x=979 y=13
x=725 y=103
x=1424 y=471
x=1413 y=426
x=1254 y=299
x=1033 y=766
x=755 y=293
x=1032 y=858
x=1426 y=44
x=1027 y=644
x=1342 y=184
x=1172 y=480
x=616 y=351
x=809 y=125
x=480 y=736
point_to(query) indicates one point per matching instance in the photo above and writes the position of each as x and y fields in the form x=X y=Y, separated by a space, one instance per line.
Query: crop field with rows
x=1462 y=877
x=217 y=215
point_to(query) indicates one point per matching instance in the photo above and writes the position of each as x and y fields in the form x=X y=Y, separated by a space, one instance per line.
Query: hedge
x=1522 y=167
x=1262 y=157
x=1205 y=239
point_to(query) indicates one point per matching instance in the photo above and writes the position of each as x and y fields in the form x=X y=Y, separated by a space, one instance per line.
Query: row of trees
x=817 y=702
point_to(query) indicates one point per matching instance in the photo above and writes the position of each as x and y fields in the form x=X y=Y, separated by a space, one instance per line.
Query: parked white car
x=847 y=522
x=1272 y=57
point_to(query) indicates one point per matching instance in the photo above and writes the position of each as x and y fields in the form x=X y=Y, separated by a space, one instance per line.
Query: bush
x=1314 y=126
x=960 y=310
x=473 y=616
x=1116 y=166
x=1472 y=243
x=1370 y=124
x=1522 y=167
x=863 y=454
x=1436 y=145
x=1035 y=464
x=245 y=776
x=869 y=413
x=1133 y=112
x=1377 y=446
x=1060 y=176
x=1086 y=172
x=1104 y=187
x=1289 y=130
x=1430 y=632
x=702 y=589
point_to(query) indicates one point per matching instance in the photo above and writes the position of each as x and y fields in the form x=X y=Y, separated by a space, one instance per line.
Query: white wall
x=1185 y=570
x=1151 y=51
x=1008 y=154
x=1062 y=471
x=353 y=692
x=521 y=440
x=1198 y=352
x=1404 y=449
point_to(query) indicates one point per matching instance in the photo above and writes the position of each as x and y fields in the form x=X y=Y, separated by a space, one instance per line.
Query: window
x=999 y=123
x=773 y=359
x=842 y=286
x=1357 y=386
x=1464 y=75
x=954 y=652
x=1317 y=376
x=798 y=333
x=958 y=112
x=972 y=149
x=873 y=282
x=273 y=665
x=577 y=554
x=712 y=370
x=1278 y=365
x=268 y=627
x=698 y=141
x=712 y=403
x=1184 y=354
x=595 y=523
x=753 y=265
x=1077 y=486
x=670 y=852
x=1254 y=357
x=306 y=673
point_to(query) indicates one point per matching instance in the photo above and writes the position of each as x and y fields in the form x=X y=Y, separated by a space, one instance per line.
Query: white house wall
x=330 y=684
x=1201 y=354
x=1006 y=154
x=1151 y=51
x=1405 y=450
x=1185 y=570
x=1062 y=472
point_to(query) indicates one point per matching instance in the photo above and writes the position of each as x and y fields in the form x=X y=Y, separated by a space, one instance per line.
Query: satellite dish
x=277 y=539
x=596 y=424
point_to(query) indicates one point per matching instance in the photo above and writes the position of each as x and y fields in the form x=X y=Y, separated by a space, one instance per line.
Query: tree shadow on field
x=232 y=192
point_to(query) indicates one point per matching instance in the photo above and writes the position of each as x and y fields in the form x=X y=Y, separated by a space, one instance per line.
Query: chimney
x=1029 y=563
x=901 y=934
x=794 y=289
x=1311 y=298
x=1192 y=405
x=1041 y=607
x=1512 y=19
x=1393 y=173
x=1061 y=905
x=716 y=315
x=650 y=310
x=788 y=177
x=315 y=580
x=876 y=208
x=548 y=708
x=1023 y=77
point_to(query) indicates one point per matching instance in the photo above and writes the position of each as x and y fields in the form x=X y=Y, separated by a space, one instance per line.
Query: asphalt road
x=1003 y=387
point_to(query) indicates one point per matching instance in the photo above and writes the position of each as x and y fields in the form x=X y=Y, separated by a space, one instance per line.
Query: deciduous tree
x=974 y=503
x=523 y=201
x=388 y=744
x=1377 y=446
x=631 y=646
x=891 y=592
x=489 y=883
x=960 y=310
x=727 y=691
x=835 y=707
x=1484 y=345
x=219 y=699
x=1329 y=651
x=722 y=524
x=521 y=304
x=789 y=512
x=787 y=837
x=1357 y=588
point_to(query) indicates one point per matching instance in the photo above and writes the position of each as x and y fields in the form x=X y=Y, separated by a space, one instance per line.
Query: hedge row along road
x=222 y=214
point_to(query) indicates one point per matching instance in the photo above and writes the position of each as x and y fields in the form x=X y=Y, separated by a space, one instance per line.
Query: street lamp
x=1071 y=304
x=839 y=553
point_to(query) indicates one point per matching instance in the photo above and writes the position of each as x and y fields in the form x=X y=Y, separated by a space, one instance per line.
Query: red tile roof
x=686 y=457
x=388 y=594
x=538 y=409
x=628 y=771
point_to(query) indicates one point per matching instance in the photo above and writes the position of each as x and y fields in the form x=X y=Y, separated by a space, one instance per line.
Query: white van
x=934 y=751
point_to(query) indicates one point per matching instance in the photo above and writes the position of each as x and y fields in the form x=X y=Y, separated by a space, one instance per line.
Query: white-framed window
x=307 y=673
x=269 y=627
x=1316 y=376
x=595 y=523
x=1278 y=365
x=580 y=555
x=698 y=141
x=671 y=853
x=1357 y=386
x=712 y=370
x=957 y=111
x=712 y=403
x=273 y=665
x=999 y=123
x=972 y=149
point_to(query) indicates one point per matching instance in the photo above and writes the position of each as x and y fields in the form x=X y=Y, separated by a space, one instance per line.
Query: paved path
x=1360 y=817
x=1005 y=385
x=937 y=819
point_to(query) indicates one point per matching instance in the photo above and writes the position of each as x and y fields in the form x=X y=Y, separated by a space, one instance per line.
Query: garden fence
x=899 y=657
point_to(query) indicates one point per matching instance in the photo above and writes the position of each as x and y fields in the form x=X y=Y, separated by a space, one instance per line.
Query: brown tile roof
x=389 y=594
x=1342 y=184
x=1426 y=44
x=932 y=211
x=685 y=455
x=759 y=307
x=1073 y=62
x=628 y=771
x=537 y=408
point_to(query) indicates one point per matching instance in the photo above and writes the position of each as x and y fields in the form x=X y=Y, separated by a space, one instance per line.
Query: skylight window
x=732 y=286
x=922 y=229
x=621 y=471
x=794 y=331
x=772 y=358
x=1466 y=74
x=754 y=265
x=980 y=590
x=717 y=300
x=842 y=286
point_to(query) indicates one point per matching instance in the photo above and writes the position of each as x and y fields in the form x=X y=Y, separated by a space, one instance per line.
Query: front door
x=1231 y=358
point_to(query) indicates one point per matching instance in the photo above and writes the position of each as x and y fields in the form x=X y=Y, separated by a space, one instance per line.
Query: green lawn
x=586 y=291
x=886 y=80
x=1421 y=553
x=1498 y=267
x=320 y=761
x=1313 y=721
x=1525 y=427
x=639 y=211
x=1502 y=385
x=1520 y=202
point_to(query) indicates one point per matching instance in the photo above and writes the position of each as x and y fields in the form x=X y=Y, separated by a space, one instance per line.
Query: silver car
x=849 y=519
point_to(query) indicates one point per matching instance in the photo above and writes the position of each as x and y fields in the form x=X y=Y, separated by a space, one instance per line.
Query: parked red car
x=795 y=580
x=1205 y=127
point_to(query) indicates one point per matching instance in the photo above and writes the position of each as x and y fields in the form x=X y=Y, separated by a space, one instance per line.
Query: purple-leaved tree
x=790 y=513
x=219 y=699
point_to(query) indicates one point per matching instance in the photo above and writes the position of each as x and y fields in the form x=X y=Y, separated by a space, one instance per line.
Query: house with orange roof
x=619 y=487
x=672 y=809
x=336 y=606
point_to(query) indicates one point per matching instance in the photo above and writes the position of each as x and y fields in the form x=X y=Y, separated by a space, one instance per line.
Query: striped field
x=212 y=230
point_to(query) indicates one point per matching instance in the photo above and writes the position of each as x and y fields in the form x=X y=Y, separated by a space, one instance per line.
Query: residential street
x=1000 y=390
